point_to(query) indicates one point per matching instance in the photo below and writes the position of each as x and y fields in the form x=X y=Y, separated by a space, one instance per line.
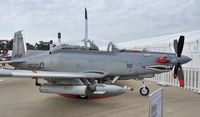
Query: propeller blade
x=175 y=45
x=180 y=46
x=181 y=76
x=176 y=71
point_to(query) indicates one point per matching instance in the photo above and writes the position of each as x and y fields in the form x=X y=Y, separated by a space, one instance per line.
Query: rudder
x=19 y=45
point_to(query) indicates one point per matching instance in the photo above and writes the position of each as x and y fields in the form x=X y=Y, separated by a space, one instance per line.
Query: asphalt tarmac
x=20 y=98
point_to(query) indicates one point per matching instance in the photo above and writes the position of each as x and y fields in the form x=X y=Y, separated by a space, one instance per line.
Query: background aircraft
x=85 y=71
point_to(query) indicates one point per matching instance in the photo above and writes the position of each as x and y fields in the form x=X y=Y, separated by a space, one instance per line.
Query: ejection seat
x=111 y=47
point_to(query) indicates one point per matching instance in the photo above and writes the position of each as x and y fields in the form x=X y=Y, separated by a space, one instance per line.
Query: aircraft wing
x=49 y=74
x=5 y=62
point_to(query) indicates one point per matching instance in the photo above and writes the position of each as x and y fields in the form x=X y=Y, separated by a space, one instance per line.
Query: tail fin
x=19 y=45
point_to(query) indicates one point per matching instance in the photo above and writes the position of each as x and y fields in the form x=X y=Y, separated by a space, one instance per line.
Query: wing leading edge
x=49 y=74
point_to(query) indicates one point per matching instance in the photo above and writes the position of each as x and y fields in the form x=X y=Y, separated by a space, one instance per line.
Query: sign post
x=156 y=103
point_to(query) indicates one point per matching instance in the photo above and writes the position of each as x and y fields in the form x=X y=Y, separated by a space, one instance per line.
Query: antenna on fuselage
x=86 y=29
x=86 y=40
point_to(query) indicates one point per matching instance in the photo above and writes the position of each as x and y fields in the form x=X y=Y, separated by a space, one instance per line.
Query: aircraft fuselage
x=113 y=63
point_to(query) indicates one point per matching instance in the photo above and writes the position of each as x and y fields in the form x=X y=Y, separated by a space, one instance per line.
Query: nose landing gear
x=144 y=90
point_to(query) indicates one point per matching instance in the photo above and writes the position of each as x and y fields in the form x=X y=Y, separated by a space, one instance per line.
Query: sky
x=109 y=20
x=161 y=41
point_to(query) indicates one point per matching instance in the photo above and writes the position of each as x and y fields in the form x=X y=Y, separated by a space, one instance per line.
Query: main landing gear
x=144 y=90
x=36 y=82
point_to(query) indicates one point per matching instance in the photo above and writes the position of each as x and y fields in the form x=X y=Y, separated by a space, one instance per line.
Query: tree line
x=41 y=45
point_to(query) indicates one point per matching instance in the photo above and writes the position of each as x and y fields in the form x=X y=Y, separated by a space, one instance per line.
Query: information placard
x=156 y=103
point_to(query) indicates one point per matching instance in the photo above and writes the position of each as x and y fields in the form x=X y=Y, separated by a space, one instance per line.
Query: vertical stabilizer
x=19 y=45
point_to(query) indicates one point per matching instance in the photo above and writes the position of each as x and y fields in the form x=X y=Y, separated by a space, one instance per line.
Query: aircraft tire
x=144 y=92
x=83 y=97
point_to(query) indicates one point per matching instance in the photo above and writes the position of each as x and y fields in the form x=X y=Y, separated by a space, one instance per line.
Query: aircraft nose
x=185 y=59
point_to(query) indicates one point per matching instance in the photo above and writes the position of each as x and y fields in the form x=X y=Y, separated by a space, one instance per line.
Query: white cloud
x=112 y=20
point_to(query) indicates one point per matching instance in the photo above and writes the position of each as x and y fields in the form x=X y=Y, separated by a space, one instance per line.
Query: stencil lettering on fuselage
x=38 y=66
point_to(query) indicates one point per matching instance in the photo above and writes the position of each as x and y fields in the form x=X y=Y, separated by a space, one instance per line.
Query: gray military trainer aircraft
x=87 y=72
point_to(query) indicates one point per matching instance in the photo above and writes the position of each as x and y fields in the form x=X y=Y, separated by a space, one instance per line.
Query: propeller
x=178 y=71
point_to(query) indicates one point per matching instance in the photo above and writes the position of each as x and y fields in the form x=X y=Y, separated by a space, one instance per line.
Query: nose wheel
x=144 y=91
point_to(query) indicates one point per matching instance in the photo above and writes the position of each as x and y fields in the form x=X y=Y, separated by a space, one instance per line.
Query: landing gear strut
x=144 y=91
x=36 y=82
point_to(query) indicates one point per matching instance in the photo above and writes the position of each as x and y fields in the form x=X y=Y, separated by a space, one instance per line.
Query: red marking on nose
x=162 y=60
